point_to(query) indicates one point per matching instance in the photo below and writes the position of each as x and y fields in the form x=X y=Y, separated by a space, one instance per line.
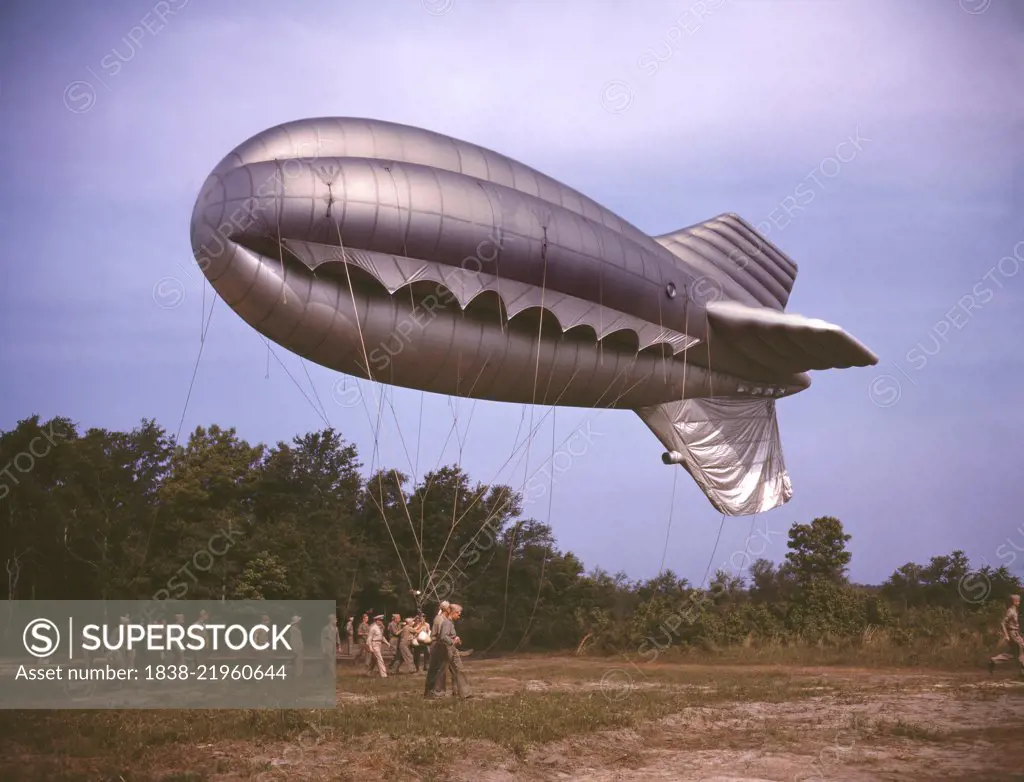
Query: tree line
x=106 y=514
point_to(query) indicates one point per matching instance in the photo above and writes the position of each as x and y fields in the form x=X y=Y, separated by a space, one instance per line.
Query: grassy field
x=539 y=718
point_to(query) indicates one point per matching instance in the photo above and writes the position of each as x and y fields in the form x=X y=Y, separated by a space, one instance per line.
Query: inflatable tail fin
x=730 y=447
x=728 y=251
x=786 y=342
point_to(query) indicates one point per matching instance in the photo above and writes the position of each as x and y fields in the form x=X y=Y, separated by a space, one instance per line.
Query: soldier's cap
x=296 y=618
x=378 y=616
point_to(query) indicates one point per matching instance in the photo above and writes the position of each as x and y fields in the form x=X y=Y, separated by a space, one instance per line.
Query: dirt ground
x=871 y=725
x=735 y=723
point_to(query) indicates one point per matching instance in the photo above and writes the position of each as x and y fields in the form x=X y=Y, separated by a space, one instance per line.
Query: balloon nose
x=211 y=245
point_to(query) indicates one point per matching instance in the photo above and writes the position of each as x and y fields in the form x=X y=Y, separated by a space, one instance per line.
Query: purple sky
x=667 y=113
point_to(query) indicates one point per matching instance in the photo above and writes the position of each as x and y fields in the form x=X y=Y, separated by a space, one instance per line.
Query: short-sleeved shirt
x=1011 y=620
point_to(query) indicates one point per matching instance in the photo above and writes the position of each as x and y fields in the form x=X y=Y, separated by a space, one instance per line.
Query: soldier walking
x=419 y=649
x=460 y=682
x=297 y=645
x=330 y=644
x=374 y=641
x=404 y=653
x=437 y=657
x=349 y=630
x=1011 y=636
x=362 y=633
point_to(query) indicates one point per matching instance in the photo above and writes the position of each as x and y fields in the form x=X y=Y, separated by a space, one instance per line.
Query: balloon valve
x=672 y=457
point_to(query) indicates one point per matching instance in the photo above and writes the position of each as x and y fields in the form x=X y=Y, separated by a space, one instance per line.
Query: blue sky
x=668 y=113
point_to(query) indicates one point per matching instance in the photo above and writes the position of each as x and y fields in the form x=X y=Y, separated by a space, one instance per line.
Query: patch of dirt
x=847 y=725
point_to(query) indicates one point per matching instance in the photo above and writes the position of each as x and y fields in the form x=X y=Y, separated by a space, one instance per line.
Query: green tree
x=818 y=551
x=262 y=578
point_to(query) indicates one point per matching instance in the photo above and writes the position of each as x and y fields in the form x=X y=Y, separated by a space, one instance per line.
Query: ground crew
x=394 y=627
x=362 y=633
x=1011 y=635
x=460 y=682
x=437 y=660
x=295 y=642
x=374 y=640
x=420 y=648
x=349 y=629
x=330 y=644
x=404 y=653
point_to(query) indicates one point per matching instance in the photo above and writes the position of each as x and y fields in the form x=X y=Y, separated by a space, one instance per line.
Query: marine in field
x=362 y=633
x=330 y=644
x=1011 y=635
x=449 y=637
x=421 y=642
x=403 y=655
x=295 y=642
x=437 y=660
x=374 y=642
x=394 y=627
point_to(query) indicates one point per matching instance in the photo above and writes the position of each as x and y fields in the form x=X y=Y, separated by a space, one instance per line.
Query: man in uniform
x=437 y=657
x=374 y=641
x=330 y=644
x=419 y=649
x=362 y=632
x=460 y=682
x=295 y=642
x=404 y=653
x=393 y=629
x=261 y=641
x=1011 y=635
x=349 y=630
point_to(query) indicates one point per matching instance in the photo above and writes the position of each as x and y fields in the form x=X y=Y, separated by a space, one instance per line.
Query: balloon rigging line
x=608 y=388
x=508 y=497
x=454 y=520
x=746 y=543
x=416 y=468
x=707 y=572
x=181 y=421
x=195 y=371
x=668 y=532
x=380 y=487
x=376 y=439
x=296 y=382
x=313 y=386
x=529 y=440
x=675 y=473
x=547 y=548
x=567 y=438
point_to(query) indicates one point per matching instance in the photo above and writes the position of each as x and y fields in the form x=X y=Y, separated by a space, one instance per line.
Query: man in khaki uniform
x=404 y=653
x=374 y=641
x=1011 y=635
x=362 y=633
x=296 y=643
x=349 y=635
x=437 y=657
x=460 y=682
x=330 y=644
